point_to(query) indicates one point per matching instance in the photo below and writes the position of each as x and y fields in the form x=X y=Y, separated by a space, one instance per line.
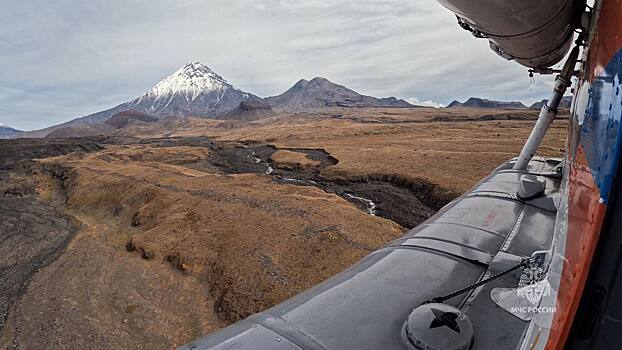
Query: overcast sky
x=63 y=59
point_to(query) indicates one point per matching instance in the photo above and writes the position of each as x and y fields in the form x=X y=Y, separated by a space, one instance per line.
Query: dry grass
x=454 y=153
x=206 y=249
x=293 y=160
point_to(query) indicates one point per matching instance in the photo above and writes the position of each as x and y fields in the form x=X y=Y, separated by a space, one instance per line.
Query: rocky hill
x=125 y=118
x=249 y=111
x=80 y=130
x=565 y=103
x=320 y=92
x=7 y=132
x=475 y=102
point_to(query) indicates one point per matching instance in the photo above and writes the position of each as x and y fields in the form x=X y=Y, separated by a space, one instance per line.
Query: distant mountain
x=7 y=132
x=475 y=102
x=81 y=130
x=117 y=121
x=565 y=103
x=249 y=111
x=196 y=90
x=193 y=90
x=320 y=92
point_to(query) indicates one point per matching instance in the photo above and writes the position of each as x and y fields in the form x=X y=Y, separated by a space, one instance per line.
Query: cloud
x=64 y=59
x=426 y=103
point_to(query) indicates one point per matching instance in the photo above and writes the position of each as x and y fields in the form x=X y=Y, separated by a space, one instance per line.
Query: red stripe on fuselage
x=608 y=38
x=585 y=211
x=585 y=218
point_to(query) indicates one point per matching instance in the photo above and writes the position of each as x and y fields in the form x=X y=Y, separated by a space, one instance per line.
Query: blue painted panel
x=600 y=130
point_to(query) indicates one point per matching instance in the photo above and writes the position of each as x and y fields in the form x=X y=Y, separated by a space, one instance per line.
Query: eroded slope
x=169 y=252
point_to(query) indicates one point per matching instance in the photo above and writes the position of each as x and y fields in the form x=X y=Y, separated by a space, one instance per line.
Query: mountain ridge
x=477 y=102
x=7 y=131
x=565 y=103
x=196 y=90
x=320 y=92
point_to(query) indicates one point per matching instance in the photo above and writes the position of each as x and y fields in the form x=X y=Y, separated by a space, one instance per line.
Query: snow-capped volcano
x=194 y=89
x=190 y=80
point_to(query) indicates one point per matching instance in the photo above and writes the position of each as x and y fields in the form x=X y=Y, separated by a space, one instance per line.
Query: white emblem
x=532 y=284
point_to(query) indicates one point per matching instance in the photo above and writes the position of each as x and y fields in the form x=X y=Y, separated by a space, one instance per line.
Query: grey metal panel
x=244 y=335
x=507 y=17
x=537 y=165
x=536 y=33
x=508 y=182
x=508 y=188
x=486 y=241
x=365 y=306
x=511 y=176
x=495 y=328
x=288 y=330
x=470 y=254
x=531 y=232
x=489 y=213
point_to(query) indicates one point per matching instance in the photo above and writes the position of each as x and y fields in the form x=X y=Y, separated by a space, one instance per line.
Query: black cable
x=523 y=263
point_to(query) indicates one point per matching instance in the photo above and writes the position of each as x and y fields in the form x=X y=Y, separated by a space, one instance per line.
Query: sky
x=64 y=59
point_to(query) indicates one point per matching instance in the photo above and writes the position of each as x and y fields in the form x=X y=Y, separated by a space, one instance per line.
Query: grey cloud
x=64 y=59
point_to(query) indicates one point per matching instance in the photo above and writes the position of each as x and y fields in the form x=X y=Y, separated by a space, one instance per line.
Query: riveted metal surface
x=488 y=213
x=483 y=240
x=506 y=184
x=365 y=307
x=535 y=33
x=470 y=254
x=495 y=328
x=537 y=166
x=532 y=232
x=244 y=335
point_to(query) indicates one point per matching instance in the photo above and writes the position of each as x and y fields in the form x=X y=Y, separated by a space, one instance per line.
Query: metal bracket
x=548 y=111
x=548 y=71
x=469 y=28
x=500 y=52
x=541 y=258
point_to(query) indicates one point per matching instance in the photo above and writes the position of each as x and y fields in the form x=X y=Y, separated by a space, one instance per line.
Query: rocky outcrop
x=475 y=102
x=125 y=118
x=250 y=111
